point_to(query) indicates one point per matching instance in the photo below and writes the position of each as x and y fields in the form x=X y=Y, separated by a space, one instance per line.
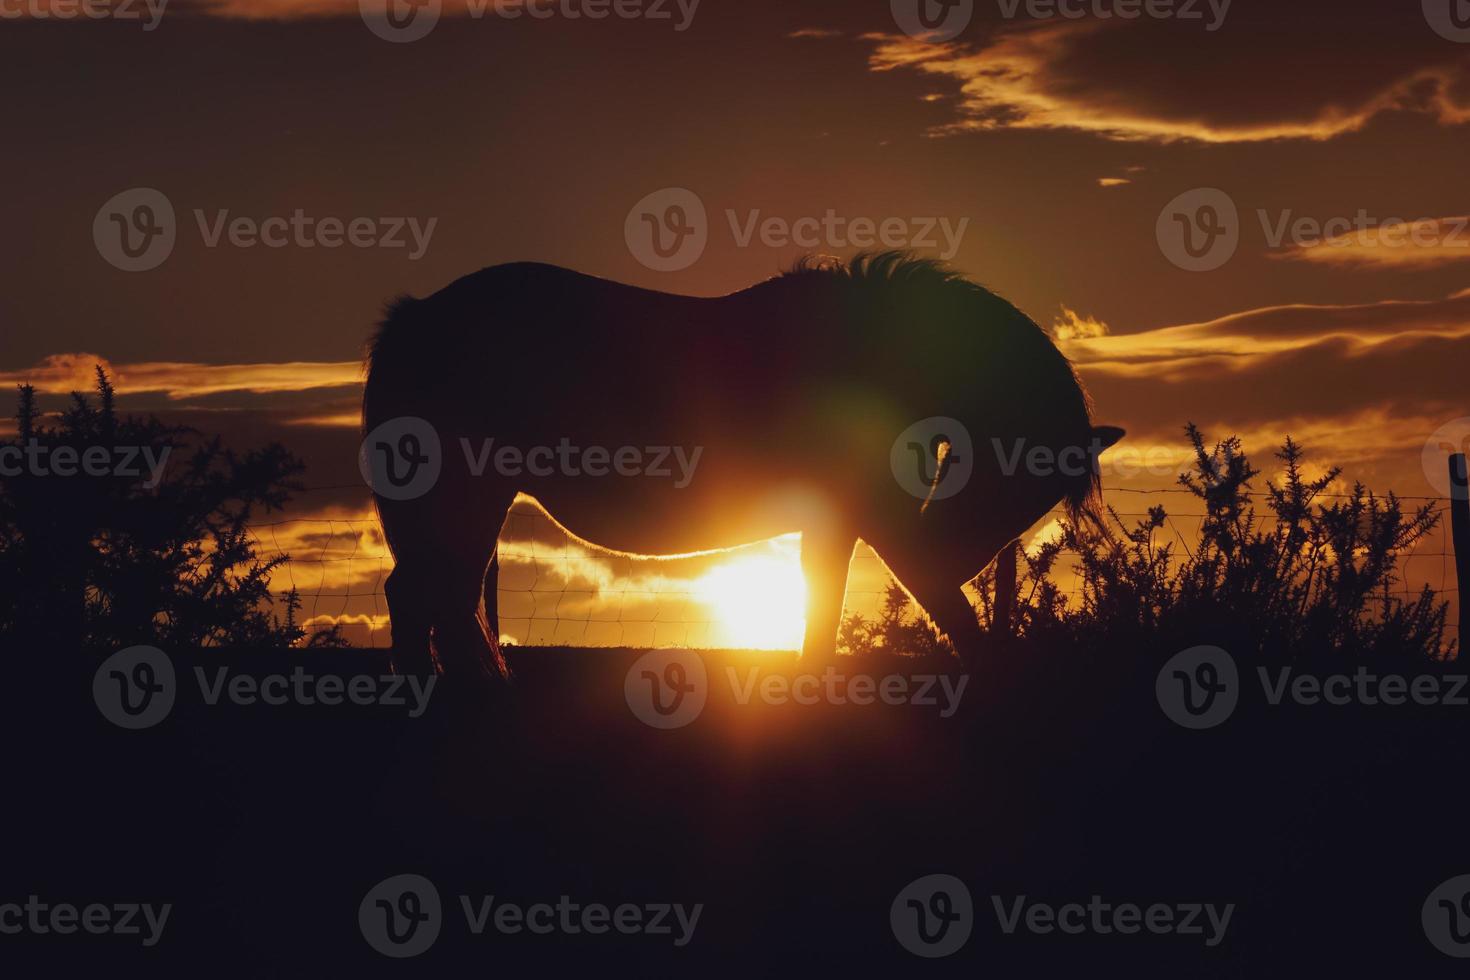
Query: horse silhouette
x=832 y=401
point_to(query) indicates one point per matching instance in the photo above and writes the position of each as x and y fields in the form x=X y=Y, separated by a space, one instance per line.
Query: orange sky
x=1336 y=130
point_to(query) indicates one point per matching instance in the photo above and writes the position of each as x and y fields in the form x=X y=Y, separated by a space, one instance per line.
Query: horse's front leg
x=825 y=557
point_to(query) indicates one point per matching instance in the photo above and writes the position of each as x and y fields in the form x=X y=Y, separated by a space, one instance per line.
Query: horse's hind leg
x=491 y=593
x=466 y=621
x=463 y=639
x=410 y=612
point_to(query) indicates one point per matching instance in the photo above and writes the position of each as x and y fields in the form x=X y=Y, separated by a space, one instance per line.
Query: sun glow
x=757 y=602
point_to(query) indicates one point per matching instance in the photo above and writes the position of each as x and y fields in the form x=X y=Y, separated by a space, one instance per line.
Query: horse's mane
x=895 y=275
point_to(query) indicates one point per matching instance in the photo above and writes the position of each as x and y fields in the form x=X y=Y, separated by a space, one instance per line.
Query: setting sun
x=757 y=602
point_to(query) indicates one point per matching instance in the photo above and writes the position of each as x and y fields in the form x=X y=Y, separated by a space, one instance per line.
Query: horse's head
x=1010 y=482
x=1005 y=432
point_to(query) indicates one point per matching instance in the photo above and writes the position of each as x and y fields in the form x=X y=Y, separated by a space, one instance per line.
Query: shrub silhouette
x=103 y=560
x=1307 y=580
x=897 y=630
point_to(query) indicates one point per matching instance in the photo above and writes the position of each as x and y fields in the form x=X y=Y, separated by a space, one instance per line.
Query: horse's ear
x=1106 y=436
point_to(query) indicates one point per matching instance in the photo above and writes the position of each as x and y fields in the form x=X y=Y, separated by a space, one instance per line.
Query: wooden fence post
x=1005 y=590
x=1460 y=536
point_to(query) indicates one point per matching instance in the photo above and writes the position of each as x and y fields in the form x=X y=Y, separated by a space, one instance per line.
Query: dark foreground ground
x=796 y=826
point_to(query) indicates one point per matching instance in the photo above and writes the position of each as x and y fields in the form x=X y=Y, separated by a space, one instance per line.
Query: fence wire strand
x=542 y=597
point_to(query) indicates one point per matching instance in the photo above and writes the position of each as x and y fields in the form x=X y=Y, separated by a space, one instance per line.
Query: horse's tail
x=390 y=356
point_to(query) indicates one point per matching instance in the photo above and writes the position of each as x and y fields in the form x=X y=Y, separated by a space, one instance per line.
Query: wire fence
x=553 y=591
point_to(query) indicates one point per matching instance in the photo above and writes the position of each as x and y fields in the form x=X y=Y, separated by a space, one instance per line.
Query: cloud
x=1237 y=340
x=61 y=374
x=1069 y=325
x=1397 y=244
x=1070 y=75
x=1364 y=384
x=815 y=32
x=1113 y=181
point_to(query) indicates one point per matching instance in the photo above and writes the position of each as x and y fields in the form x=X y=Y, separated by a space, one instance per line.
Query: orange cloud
x=1427 y=242
x=1024 y=79
x=1232 y=342
x=1069 y=325
x=61 y=374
